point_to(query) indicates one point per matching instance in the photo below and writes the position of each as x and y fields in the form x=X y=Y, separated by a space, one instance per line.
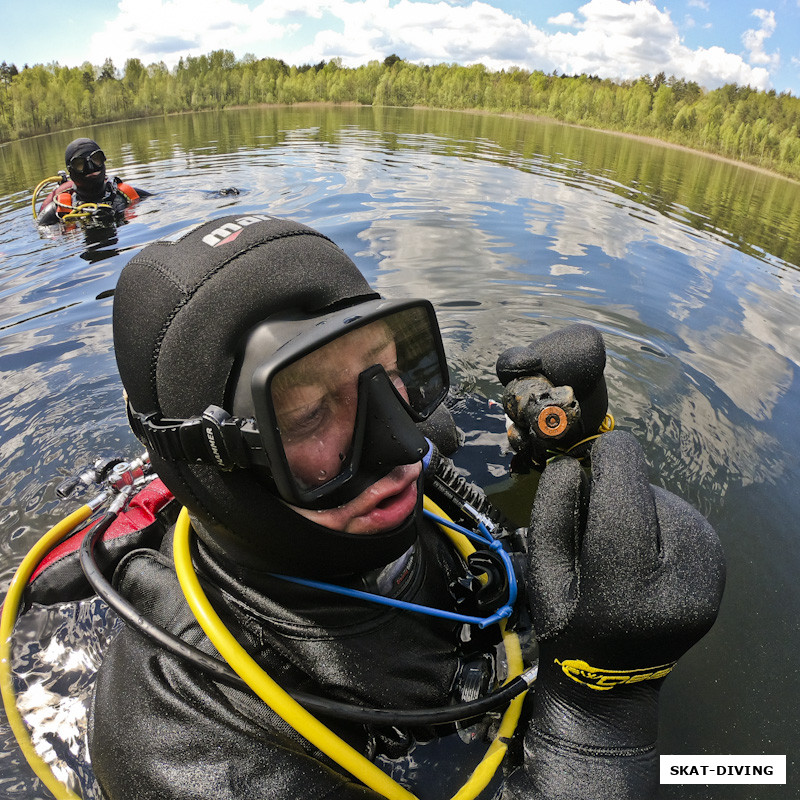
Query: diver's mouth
x=401 y=482
x=387 y=501
x=383 y=506
x=392 y=510
x=398 y=497
x=393 y=500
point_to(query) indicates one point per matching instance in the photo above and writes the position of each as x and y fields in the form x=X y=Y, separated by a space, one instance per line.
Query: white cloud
x=426 y=32
x=713 y=66
x=567 y=19
x=754 y=40
x=698 y=4
x=617 y=39
x=610 y=38
x=628 y=39
x=188 y=27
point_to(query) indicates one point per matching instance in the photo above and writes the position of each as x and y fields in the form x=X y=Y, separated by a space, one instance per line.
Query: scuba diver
x=328 y=549
x=87 y=192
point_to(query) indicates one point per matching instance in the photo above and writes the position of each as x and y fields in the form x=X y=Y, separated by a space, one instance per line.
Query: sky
x=711 y=42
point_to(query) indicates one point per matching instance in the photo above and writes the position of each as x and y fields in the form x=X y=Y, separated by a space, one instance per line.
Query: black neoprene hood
x=182 y=309
x=80 y=147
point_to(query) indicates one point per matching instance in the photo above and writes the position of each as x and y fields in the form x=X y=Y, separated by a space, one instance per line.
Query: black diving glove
x=624 y=578
x=555 y=392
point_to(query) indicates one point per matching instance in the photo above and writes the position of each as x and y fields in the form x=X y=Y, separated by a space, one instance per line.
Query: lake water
x=689 y=266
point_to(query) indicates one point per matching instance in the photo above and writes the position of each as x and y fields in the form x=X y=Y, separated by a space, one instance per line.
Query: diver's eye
x=304 y=421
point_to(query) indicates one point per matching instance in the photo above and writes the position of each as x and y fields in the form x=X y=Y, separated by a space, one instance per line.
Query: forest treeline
x=737 y=122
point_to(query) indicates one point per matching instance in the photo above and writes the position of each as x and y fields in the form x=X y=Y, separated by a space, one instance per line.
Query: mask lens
x=98 y=158
x=316 y=398
x=77 y=164
x=85 y=164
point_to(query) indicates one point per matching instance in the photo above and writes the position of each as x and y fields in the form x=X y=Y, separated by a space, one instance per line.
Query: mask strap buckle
x=216 y=438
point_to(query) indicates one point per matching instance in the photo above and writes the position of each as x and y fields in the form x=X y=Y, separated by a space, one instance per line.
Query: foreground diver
x=282 y=402
x=87 y=191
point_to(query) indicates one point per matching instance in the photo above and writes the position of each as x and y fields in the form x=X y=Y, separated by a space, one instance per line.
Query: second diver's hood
x=182 y=308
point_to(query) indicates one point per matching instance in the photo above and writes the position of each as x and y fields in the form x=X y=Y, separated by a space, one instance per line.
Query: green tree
x=664 y=111
x=134 y=74
x=740 y=122
x=7 y=72
x=108 y=72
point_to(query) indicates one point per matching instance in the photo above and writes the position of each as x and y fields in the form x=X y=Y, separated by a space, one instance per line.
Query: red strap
x=140 y=513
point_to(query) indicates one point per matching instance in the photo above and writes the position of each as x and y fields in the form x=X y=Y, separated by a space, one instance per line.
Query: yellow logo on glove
x=604 y=679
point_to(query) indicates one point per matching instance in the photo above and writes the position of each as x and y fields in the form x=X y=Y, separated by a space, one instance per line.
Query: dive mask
x=327 y=405
x=85 y=164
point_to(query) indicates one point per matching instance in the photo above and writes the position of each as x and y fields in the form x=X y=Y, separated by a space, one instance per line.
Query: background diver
x=283 y=403
x=87 y=192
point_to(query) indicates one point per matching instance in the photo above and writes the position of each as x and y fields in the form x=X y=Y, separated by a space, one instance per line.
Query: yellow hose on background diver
x=53 y=179
x=305 y=723
x=78 y=212
x=84 y=210
x=9 y=617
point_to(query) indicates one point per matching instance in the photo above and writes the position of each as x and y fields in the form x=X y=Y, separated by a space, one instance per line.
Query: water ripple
x=689 y=268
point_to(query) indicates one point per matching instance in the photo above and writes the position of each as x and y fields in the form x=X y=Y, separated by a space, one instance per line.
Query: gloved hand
x=555 y=393
x=623 y=578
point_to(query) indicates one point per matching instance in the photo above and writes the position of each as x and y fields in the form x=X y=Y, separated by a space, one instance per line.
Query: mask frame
x=384 y=434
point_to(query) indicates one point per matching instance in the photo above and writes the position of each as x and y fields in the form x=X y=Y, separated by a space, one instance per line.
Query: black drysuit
x=163 y=729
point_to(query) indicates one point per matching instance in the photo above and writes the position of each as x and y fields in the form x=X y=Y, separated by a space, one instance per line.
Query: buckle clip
x=215 y=438
x=223 y=439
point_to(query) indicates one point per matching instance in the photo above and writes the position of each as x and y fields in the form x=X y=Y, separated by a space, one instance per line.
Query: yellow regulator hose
x=305 y=723
x=10 y=610
x=81 y=211
x=53 y=179
x=84 y=210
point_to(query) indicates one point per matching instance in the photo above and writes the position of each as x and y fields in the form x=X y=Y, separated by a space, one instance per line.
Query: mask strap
x=216 y=438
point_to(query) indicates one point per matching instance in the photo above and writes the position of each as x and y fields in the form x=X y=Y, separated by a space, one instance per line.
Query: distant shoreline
x=653 y=140
x=476 y=111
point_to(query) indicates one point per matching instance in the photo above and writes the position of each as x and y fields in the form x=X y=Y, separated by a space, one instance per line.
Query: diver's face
x=88 y=171
x=315 y=402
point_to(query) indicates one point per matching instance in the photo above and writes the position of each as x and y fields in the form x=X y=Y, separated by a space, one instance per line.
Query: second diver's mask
x=324 y=406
